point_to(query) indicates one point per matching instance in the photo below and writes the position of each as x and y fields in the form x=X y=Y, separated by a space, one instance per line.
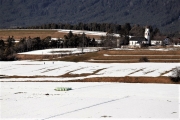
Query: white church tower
x=147 y=35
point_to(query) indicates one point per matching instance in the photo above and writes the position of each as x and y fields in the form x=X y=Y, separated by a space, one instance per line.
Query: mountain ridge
x=159 y=13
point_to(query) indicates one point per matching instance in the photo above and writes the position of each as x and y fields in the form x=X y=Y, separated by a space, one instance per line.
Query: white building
x=147 y=35
x=135 y=42
x=138 y=41
x=156 y=42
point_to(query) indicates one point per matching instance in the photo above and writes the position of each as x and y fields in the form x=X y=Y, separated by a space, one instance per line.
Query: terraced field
x=108 y=56
x=128 y=56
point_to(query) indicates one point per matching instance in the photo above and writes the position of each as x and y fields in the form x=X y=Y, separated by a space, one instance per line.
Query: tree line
x=125 y=29
x=104 y=27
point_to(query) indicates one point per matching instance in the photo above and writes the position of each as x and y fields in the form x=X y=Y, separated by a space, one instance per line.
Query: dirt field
x=135 y=55
x=160 y=80
x=18 y=34
x=164 y=80
x=126 y=56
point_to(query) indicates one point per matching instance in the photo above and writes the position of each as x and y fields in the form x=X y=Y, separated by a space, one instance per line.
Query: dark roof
x=137 y=39
x=156 y=40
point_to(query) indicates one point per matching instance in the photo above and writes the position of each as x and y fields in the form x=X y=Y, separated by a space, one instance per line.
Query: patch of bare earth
x=127 y=79
x=133 y=56
x=163 y=80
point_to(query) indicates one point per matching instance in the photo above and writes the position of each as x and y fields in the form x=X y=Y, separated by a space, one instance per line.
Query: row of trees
x=104 y=27
x=123 y=30
x=81 y=40
x=7 y=50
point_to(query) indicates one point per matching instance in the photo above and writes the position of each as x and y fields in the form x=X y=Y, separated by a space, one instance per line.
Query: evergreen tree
x=2 y=48
x=10 y=41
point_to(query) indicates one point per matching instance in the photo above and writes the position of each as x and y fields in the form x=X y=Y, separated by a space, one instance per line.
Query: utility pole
x=27 y=45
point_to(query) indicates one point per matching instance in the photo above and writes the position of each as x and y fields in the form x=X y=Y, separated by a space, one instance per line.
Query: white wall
x=133 y=42
x=155 y=42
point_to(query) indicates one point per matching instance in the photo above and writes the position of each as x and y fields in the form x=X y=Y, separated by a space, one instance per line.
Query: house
x=54 y=38
x=156 y=42
x=167 y=41
x=137 y=42
x=99 y=41
x=57 y=39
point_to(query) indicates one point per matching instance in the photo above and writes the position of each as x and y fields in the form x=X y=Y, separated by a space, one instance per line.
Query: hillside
x=158 y=13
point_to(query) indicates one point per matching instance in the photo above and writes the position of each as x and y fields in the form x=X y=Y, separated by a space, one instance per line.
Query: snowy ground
x=98 y=33
x=39 y=100
x=53 y=70
x=61 y=51
x=65 y=51
x=35 y=100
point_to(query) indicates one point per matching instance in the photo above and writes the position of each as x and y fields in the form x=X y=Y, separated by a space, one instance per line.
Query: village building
x=138 y=42
x=156 y=42
x=167 y=41
x=147 y=36
x=135 y=42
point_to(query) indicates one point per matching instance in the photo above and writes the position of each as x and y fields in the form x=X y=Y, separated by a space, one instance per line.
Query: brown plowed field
x=108 y=56
x=164 y=80
x=18 y=34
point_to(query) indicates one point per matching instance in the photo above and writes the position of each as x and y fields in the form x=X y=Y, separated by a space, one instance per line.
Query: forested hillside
x=163 y=14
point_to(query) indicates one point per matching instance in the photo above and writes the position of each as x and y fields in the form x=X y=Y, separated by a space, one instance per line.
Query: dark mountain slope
x=164 y=14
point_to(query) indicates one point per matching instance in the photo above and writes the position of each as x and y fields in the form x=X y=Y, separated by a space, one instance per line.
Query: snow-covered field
x=53 y=70
x=39 y=100
x=98 y=33
x=61 y=51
